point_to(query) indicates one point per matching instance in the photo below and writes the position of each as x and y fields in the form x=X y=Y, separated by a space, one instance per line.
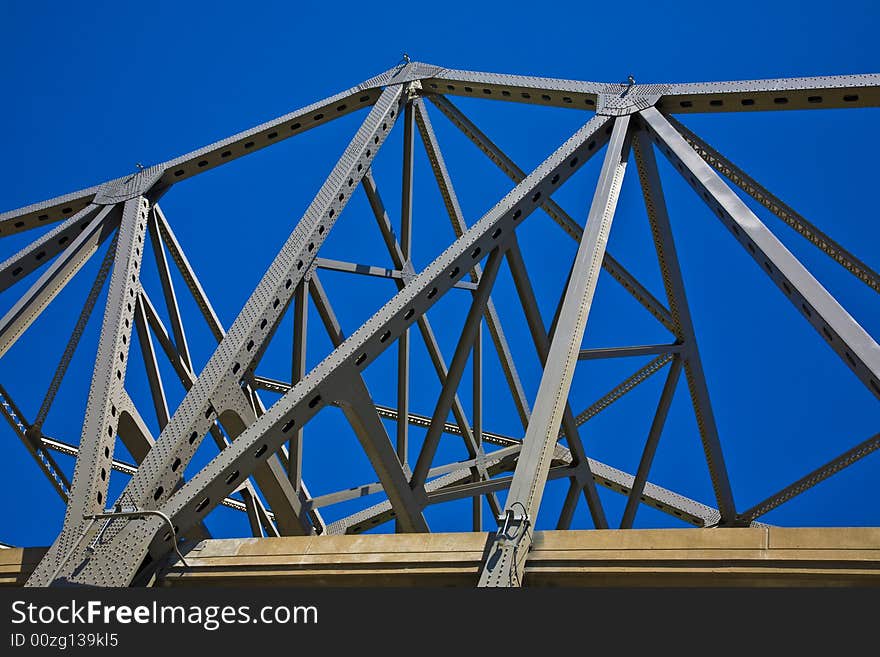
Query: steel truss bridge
x=257 y=468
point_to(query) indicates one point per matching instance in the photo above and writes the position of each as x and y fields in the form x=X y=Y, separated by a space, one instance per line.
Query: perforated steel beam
x=55 y=277
x=88 y=492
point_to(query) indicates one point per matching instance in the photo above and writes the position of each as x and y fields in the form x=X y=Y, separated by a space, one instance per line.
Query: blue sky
x=91 y=91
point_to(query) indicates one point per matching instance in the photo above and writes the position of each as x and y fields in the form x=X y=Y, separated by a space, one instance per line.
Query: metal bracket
x=631 y=99
x=138 y=184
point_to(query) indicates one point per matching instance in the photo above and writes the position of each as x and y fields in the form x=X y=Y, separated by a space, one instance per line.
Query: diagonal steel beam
x=31 y=437
x=168 y=290
x=584 y=479
x=189 y=275
x=856 y=348
x=267 y=476
x=76 y=334
x=89 y=487
x=782 y=210
x=55 y=277
x=456 y=368
x=629 y=352
x=818 y=475
x=44 y=248
x=151 y=364
x=617 y=271
x=357 y=404
x=638 y=487
x=504 y=562
x=48 y=211
x=661 y=229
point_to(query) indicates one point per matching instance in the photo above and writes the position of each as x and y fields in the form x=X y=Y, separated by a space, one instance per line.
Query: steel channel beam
x=549 y=92
x=617 y=271
x=44 y=248
x=830 y=91
x=33 y=302
x=367 y=422
x=798 y=223
x=290 y=515
x=638 y=487
x=639 y=376
x=364 y=490
x=47 y=212
x=382 y=512
x=673 y=282
x=477 y=405
x=856 y=348
x=818 y=475
x=403 y=343
x=504 y=562
x=88 y=493
x=236 y=354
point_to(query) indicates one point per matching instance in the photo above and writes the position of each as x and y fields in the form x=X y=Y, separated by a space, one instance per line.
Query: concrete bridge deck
x=742 y=557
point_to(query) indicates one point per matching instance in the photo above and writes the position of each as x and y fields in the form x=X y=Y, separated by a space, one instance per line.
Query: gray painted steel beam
x=856 y=348
x=628 y=352
x=638 y=487
x=357 y=404
x=88 y=493
x=456 y=367
x=673 y=282
x=189 y=275
x=33 y=302
x=424 y=325
x=782 y=210
x=297 y=372
x=47 y=212
x=505 y=559
x=151 y=364
x=44 y=248
x=168 y=290
x=818 y=475
x=76 y=333
x=541 y=340
x=32 y=438
x=830 y=91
